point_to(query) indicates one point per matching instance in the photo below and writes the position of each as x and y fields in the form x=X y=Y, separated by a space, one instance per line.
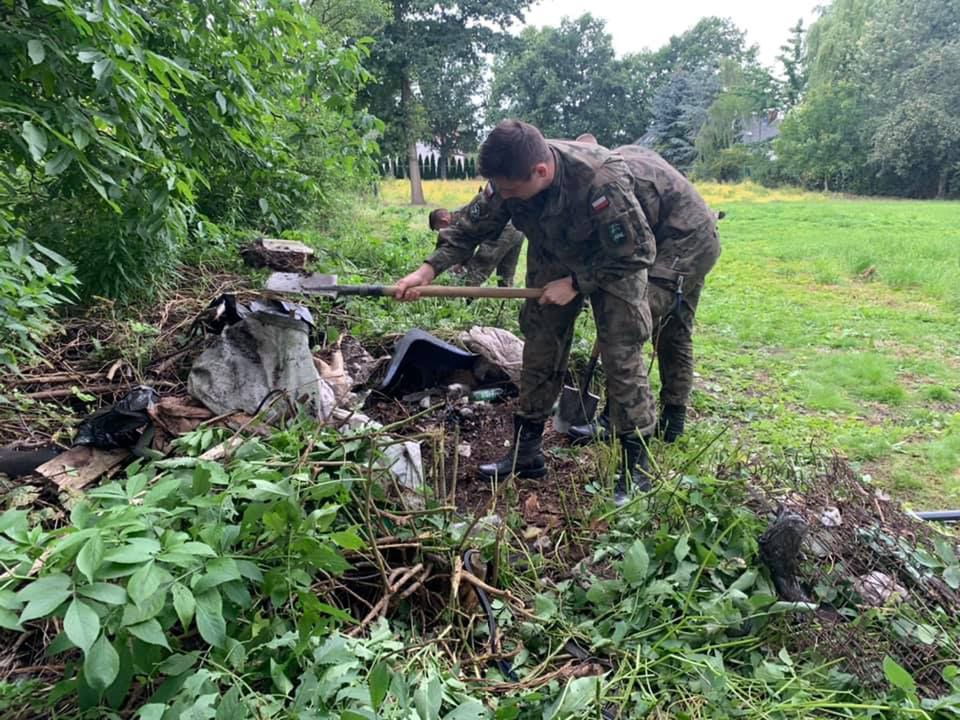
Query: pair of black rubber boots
x=525 y=459
x=670 y=426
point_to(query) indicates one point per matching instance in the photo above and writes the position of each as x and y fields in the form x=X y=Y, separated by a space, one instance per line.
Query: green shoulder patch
x=617 y=233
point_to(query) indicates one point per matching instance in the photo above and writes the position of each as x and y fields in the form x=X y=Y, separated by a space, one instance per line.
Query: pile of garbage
x=255 y=364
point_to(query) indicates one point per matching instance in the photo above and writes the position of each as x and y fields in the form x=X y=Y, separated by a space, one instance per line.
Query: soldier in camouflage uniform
x=587 y=237
x=687 y=249
x=501 y=254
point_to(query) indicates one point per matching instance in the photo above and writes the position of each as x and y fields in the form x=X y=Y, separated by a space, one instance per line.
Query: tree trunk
x=826 y=184
x=406 y=105
x=443 y=165
x=942 y=186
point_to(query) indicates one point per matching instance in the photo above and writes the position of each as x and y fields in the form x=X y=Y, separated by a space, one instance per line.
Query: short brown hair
x=435 y=216
x=511 y=151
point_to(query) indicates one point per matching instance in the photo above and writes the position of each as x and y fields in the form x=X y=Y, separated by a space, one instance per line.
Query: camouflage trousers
x=501 y=255
x=673 y=337
x=623 y=326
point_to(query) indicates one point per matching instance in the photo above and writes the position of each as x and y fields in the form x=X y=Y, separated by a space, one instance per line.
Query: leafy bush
x=34 y=280
x=135 y=122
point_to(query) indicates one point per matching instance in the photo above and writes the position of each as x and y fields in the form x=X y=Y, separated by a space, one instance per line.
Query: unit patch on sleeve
x=474 y=212
x=617 y=234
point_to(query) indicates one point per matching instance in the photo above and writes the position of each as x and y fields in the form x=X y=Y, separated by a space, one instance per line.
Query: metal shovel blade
x=574 y=408
x=313 y=284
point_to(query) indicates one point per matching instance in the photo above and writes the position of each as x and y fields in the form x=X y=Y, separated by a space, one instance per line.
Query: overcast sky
x=636 y=26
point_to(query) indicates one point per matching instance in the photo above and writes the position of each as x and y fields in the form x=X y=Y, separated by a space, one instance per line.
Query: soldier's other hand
x=406 y=287
x=558 y=292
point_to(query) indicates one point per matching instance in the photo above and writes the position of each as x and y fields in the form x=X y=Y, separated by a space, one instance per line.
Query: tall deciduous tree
x=793 y=58
x=450 y=89
x=567 y=81
x=417 y=32
x=687 y=79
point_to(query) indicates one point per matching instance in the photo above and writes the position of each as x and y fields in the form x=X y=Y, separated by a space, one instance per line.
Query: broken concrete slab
x=284 y=255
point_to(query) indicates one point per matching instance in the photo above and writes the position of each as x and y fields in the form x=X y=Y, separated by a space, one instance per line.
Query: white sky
x=637 y=25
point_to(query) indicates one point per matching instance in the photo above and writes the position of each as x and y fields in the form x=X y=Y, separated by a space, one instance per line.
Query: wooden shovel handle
x=471 y=292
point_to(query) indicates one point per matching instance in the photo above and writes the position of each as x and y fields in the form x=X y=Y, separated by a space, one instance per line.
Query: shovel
x=577 y=404
x=318 y=284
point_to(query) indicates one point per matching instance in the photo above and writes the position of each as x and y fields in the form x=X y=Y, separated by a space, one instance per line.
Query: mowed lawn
x=829 y=324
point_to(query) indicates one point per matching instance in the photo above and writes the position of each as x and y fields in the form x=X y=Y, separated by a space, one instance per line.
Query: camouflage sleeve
x=483 y=219
x=624 y=241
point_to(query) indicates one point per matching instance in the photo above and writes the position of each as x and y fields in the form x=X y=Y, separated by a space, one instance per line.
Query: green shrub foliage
x=128 y=129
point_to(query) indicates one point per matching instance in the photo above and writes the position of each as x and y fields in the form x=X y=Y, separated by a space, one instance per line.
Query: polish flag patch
x=601 y=203
x=488 y=191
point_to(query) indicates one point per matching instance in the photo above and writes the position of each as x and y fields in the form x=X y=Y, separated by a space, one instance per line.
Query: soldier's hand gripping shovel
x=319 y=284
x=578 y=405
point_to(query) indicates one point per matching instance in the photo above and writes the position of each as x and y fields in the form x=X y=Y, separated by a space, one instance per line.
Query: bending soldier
x=502 y=254
x=687 y=249
x=587 y=237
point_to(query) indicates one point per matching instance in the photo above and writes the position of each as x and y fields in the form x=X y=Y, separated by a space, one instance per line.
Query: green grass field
x=829 y=323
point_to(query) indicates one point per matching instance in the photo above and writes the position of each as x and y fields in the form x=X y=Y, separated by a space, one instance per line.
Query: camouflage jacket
x=589 y=220
x=684 y=226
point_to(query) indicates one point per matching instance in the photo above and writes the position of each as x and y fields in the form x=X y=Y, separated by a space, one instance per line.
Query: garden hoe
x=578 y=405
x=319 y=284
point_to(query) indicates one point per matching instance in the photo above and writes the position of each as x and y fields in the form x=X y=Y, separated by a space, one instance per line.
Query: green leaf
x=897 y=676
x=16 y=519
x=577 y=696
x=951 y=576
x=745 y=581
x=91 y=557
x=194 y=548
x=231 y=707
x=36 y=51
x=178 y=664
x=219 y=571
x=144 y=583
x=104 y=592
x=184 y=604
x=153 y=711
x=544 y=606
x=636 y=562
x=151 y=606
x=428 y=698
x=379 y=683
x=80 y=138
x=43 y=596
x=103 y=67
x=784 y=606
x=682 y=548
x=60 y=162
x=946 y=551
x=469 y=710
x=280 y=680
x=101 y=665
x=81 y=624
x=9 y=620
x=136 y=551
x=210 y=622
x=348 y=539
x=150 y=632
x=35 y=138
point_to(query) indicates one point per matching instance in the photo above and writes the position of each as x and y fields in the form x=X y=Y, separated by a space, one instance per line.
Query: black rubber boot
x=634 y=470
x=671 y=421
x=525 y=460
x=596 y=431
